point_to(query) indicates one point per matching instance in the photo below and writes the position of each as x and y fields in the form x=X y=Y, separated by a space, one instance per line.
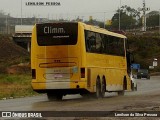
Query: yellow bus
x=73 y=57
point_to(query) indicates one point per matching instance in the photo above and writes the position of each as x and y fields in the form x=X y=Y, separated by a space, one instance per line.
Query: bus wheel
x=52 y=97
x=59 y=97
x=135 y=88
x=103 y=88
x=98 y=88
x=132 y=86
x=121 y=93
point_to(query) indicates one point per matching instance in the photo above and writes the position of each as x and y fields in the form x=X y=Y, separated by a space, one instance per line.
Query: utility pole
x=120 y=15
x=144 y=9
x=104 y=20
x=159 y=21
x=21 y=12
x=6 y=24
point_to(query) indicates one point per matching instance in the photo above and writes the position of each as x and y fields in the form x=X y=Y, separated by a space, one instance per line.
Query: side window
x=99 y=46
x=121 y=47
x=104 y=44
x=90 y=38
x=116 y=46
x=94 y=42
x=110 y=45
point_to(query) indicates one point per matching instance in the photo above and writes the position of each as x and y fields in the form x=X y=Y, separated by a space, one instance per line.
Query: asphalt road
x=146 y=98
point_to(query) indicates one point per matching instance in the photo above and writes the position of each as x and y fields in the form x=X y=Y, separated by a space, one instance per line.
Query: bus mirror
x=130 y=57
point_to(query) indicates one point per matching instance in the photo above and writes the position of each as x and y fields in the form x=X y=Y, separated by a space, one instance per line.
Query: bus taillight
x=82 y=72
x=33 y=73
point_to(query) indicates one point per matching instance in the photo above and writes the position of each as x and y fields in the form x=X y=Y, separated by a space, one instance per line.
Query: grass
x=15 y=85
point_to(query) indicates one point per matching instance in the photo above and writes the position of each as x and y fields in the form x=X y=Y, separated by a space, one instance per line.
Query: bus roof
x=101 y=30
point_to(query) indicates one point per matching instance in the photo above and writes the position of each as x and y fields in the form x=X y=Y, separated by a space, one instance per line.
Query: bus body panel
x=57 y=67
x=60 y=67
x=107 y=66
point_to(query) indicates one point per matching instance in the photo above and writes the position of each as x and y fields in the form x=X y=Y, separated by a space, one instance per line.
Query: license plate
x=58 y=75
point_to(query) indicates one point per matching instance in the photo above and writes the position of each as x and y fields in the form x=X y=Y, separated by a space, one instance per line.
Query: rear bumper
x=57 y=87
x=54 y=85
x=51 y=85
x=62 y=91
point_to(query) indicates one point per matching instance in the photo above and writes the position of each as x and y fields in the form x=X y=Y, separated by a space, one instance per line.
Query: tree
x=2 y=14
x=153 y=19
x=95 y=23
x=128 y=18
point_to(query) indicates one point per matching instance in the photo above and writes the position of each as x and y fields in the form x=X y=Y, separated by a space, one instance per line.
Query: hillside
x=10 y=53
x=145 y=48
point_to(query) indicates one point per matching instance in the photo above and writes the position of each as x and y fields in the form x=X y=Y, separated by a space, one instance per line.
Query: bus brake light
x=33 y=73
x=82 y=72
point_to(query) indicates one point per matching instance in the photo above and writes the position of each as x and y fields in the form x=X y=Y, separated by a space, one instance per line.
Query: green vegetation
x=14 y=60
x=129 y=18
x=145 y=48
x=153 y=19
x=15 y=86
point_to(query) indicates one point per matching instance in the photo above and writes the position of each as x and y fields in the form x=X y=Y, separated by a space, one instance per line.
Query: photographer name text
x=43 y=4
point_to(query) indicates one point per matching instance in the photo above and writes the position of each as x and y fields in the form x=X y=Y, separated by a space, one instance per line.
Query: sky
x=71 y=9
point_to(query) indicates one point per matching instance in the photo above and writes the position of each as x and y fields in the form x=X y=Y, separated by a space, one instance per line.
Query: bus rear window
x=49 y=34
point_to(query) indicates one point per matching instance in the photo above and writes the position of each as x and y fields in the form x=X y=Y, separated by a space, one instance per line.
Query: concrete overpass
x=22 y=36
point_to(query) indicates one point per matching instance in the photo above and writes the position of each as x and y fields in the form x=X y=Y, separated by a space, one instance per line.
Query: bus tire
x=132 y=86
x=98 y=88
x=103 y=87
x=52 y=97
x=59 y=97
x=135 y=88
x=121 y=93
